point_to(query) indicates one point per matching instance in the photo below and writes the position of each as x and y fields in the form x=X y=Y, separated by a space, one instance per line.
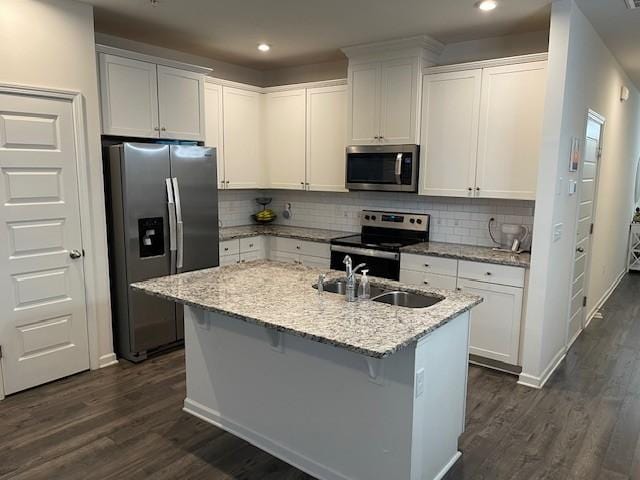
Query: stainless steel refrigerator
x=163 y=216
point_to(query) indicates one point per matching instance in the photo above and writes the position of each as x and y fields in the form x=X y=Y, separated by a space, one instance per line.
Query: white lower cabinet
x=495 y=323
x=311 y=254
x=434 y=280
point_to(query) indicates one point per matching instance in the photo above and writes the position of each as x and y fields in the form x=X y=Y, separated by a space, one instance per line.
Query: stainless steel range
x=382 y=236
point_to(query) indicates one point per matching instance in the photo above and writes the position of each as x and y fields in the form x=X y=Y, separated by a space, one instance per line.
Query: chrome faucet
x=350 y=292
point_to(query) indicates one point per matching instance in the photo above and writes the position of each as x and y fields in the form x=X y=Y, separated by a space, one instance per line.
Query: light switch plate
x=557 y=231
x=573 y=187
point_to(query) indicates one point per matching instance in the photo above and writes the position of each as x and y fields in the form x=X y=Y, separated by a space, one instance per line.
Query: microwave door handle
x=399 y=169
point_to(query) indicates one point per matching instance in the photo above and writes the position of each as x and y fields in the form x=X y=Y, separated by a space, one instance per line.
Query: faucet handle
x=347 y=260
x=321 y=279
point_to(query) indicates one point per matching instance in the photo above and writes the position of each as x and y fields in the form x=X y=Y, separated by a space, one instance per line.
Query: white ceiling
x=306 y=31
x=619 y=28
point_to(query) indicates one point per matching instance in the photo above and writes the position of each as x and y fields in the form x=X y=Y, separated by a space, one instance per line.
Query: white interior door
x=43 y=326
x=586 y=203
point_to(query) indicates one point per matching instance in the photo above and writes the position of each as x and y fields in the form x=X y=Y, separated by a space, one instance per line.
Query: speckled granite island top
x=281 y=296
x=298 y=233
x=469 y=252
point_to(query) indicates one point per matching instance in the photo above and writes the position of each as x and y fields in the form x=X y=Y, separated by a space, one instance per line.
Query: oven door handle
x=399 y=169
x=367 y=252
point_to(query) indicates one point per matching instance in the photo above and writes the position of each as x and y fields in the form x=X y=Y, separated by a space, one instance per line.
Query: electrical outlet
x=419 y=382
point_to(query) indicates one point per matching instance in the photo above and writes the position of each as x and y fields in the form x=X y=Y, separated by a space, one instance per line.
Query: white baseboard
x=107 y=360
x=539 y=382
x=292 y=457
x=448 y=466
x=604 y=298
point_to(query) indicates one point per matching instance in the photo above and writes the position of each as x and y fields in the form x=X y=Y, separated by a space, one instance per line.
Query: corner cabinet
x=143 y=99
x=482 y=131
x=383 y=102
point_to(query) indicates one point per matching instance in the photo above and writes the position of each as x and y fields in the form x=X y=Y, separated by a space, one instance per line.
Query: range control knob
x=373 y=217
x=419 y=221
x=367 y=217
x=413 y=220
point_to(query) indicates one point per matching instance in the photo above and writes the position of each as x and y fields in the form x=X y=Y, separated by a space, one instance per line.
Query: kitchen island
x=361 y=390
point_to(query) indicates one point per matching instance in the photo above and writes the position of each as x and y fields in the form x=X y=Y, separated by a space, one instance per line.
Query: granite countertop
x=469 y=252
x=281 y=296
x=299 y=233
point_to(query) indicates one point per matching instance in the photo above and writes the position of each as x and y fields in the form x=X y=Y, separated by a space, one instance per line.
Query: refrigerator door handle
x=179 y=225
x=171 y=207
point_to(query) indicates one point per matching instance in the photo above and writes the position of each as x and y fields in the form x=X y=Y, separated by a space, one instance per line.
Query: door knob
x=580 y=250
x=75 y=254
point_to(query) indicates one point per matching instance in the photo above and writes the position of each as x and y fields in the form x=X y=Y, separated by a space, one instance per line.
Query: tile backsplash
x=454 y=220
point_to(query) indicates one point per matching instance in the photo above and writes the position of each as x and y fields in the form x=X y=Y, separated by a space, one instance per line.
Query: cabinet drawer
x=250 y=256
x=489 y=273
x=229 y=247
x=429 y=264
x=290 y=245
x=251 y=244
x=229 y=259
x=411 y=277
x=317 y=262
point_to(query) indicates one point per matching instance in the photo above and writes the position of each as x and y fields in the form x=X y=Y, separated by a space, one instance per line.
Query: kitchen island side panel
x=311 y=404
x=317 y=406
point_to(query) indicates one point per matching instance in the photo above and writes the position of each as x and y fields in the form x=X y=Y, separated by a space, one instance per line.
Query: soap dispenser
x=364 y=289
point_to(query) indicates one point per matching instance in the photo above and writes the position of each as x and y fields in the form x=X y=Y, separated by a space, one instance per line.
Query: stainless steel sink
x=388 y=296
x=407 y=299
x=340 y=287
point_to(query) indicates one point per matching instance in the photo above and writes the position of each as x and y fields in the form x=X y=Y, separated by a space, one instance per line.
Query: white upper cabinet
x=129 y=95
x=383 y=102
x=482 y=131
x=285 y=138
x=180 y=102
x=326 y=138
x=450 y=114
x=214 y=126
x=364 y=104
x=510 y=132
x=399 y=101
x=142 y=99
x=243 y=159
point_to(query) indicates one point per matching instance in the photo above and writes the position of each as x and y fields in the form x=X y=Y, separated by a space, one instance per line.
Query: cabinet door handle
x=488 y=274
x=298 y=247
x=425 y=282
x=157 y=129
x=470 y=189
x=226 y=249
x=477 y=189
x=427 y=265
x=251 y=245
x=163 y=129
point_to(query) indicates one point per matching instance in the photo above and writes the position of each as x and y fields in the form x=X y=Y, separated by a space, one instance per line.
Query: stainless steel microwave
x=386 y=168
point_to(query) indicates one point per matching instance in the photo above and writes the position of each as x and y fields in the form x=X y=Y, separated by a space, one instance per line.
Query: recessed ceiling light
x=487 y=5
x=264 y=47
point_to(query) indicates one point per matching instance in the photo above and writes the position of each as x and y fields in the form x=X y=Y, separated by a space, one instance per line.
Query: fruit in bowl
x=264 y=216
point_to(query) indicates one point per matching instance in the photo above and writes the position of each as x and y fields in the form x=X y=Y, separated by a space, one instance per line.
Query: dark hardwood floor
x=125 y=422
